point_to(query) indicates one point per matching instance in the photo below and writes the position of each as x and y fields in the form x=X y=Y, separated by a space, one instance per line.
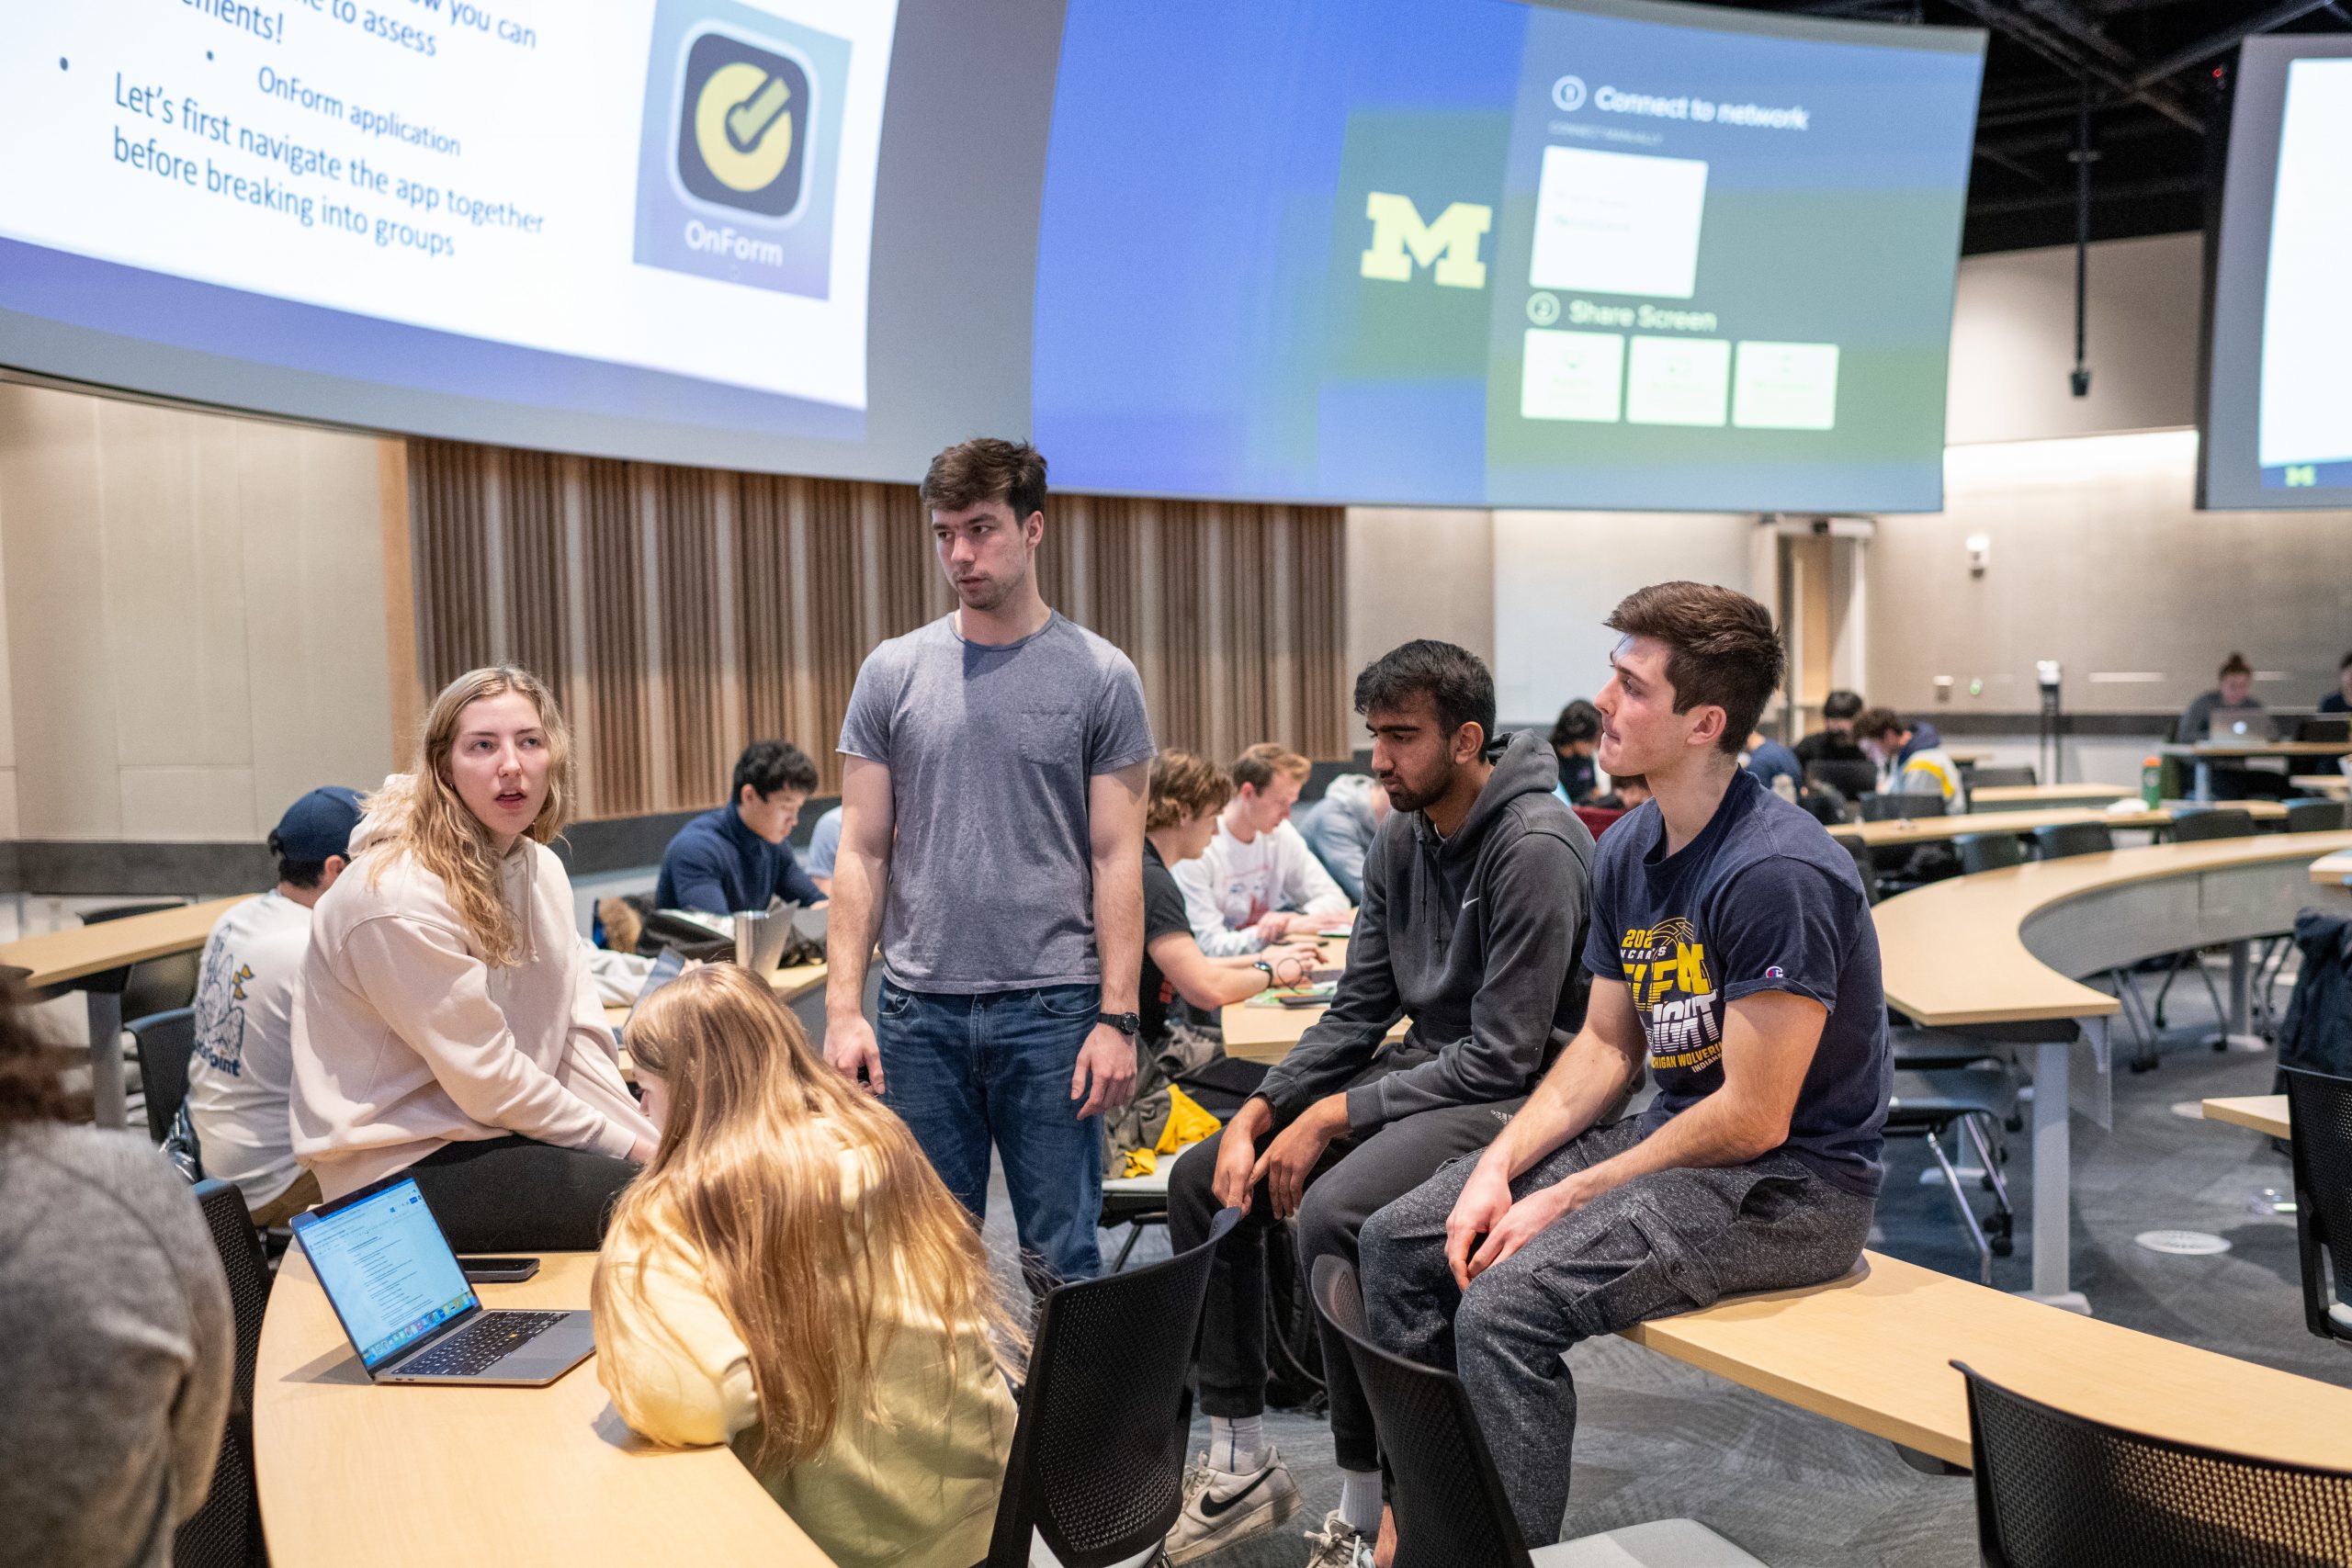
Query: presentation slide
x=2278 y=430
x=1480 y=253
x=684 y=186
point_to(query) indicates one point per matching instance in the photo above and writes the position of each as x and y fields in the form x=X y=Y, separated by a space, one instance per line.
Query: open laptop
x=2237 y=727
x=407 y=1307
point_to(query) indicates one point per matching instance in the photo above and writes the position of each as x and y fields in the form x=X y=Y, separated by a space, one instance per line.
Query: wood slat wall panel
x=681 y=611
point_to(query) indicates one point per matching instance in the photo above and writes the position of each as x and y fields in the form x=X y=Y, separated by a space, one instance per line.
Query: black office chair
x=1928 y=1102
x=1989 y=852
x=1451 y=1509
x=1852 y=780
x=1863 y=865
x=1892 y=807
x=1999 y=778
x=1097 y=1470
x=2312 y=814
x=2060 y=840
x=226 y=1532
x=167 y=1040
x=2060 y=1491
x=2318 y=1120
x=2188 y=827
x=155 y=985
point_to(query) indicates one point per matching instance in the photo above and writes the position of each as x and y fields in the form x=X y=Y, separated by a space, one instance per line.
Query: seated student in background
x=1574 y=735
x=824 y=843
x=1834 y=742
x=238 y=1075
x=1770 y=762
x=445 y=1023
x=790 y=1278
x=1352 y=809
x=1731 y=946
x=2232 y=696
x=1911 y=758
x=1258 y=883
x=118 y=1350
x=1472 y=918
x=1626 y=791
x=2340 y=699
x=736 y=857
x=1180 y=818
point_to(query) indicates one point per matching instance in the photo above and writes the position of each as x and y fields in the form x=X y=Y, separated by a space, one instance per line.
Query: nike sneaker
x=1222 y=1508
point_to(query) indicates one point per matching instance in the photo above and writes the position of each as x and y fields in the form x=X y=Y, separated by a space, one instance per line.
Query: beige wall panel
x=2101 y=560
x=1415 y=572
x=65 y=684
x=8 y=803
x=188 y=805
x=320 y=683
x=174 y=608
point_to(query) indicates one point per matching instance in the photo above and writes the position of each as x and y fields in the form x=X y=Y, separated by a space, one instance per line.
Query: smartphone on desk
x=498 y=1270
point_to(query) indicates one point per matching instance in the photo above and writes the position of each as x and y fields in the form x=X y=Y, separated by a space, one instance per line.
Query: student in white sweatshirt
x=1258 y=882
x=446 y=1023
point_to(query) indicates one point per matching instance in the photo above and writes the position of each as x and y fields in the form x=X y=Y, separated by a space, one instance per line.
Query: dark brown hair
x=31 y=1087
x=1722 y=650
x=1183 y=785
x=2235 y=664
x=1872 y=723
x=985 y=469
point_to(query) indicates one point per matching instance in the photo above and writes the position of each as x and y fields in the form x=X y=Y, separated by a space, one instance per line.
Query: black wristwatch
x=1127 y=1024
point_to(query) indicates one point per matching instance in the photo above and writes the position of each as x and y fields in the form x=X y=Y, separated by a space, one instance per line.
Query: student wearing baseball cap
x=237 y=1079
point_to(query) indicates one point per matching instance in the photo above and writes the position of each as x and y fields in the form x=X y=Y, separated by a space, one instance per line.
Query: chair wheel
x=2015 y=1123
x=2140 y=1064
x=2002 y=1246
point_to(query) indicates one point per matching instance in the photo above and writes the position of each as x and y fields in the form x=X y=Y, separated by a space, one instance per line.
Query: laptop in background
x=2237 y=727
x=407 y=1307
x=2334 y=731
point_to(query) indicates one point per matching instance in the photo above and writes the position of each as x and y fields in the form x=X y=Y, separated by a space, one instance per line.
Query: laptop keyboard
x=480 y=1346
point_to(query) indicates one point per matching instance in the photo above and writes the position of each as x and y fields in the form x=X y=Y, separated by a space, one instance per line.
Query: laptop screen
x=385 y=1266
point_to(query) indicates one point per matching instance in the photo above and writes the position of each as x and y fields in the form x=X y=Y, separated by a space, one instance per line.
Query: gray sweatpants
x=1661 y=1244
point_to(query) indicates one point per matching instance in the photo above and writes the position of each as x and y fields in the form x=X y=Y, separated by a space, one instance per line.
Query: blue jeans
x=964 y=1072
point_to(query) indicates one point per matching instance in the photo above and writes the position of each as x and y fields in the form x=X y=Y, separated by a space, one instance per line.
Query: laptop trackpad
x=551 y=1355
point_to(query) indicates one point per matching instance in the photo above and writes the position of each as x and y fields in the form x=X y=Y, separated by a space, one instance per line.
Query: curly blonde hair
x=426 y=820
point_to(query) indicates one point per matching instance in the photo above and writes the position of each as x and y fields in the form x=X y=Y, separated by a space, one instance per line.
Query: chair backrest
x=1989 y=852
x=226 y=1532
x=2315 y=816
x=1596 y=818
x=2061 y=1491
x=1999 y=778
x=1889 y=808
x=1097 y=1469
x=1451 y=1508
x=2059 y=840
x=1863 y=864
x=2217 y=823
x=1851 y=779
x=156 y=985
x=2319 y=1118
x=167 y=1040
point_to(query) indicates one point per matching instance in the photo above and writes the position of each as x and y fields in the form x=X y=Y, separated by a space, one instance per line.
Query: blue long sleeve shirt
x=719 y=866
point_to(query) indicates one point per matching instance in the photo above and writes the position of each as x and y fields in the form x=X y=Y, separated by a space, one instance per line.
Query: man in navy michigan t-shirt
x=1732 y=951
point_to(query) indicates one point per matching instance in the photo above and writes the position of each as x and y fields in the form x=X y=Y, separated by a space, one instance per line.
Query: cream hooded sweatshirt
x=404 y=1040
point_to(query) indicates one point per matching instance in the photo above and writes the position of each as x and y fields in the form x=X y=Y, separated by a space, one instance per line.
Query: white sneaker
x=1222 y=1508
x=1339 y=1544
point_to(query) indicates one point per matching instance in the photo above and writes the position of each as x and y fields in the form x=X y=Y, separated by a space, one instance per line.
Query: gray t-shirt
x=990 y=750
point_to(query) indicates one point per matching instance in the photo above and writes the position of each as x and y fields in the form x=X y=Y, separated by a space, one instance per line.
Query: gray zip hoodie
x=1478 y=939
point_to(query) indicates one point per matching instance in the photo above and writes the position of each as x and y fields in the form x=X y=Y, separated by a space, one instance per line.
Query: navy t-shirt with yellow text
x=1763 y=899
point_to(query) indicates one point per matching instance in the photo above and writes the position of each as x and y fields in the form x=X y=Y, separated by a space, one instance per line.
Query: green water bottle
x=2152 y=783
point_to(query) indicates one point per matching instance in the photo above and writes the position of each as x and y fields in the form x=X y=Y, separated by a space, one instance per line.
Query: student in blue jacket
x=736 y=857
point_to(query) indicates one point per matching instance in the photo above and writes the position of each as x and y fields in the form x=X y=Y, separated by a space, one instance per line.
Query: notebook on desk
x=407 y=1307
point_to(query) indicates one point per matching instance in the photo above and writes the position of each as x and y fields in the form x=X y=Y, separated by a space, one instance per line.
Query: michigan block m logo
x=1400 y=242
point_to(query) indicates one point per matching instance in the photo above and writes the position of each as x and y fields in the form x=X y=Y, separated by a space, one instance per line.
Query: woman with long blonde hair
x=445 y=1022
x=789 y=1277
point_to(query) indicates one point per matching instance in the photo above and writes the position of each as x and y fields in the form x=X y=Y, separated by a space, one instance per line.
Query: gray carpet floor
x=1657 y=1439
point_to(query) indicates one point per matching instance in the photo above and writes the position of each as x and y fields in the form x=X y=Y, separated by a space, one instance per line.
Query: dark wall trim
x=73 y=869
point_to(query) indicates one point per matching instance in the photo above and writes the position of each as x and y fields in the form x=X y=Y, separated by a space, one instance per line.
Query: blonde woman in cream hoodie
x=445 y=1023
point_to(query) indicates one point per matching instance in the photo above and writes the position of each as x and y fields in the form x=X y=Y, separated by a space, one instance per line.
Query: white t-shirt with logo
x=238 y=1078
x=1233 y=886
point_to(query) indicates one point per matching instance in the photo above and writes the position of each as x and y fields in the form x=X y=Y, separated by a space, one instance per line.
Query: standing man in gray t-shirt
x=992 y=812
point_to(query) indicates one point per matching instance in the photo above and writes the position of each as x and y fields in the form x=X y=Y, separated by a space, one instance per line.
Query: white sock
x=1359 y=1500
x=1237 y=1444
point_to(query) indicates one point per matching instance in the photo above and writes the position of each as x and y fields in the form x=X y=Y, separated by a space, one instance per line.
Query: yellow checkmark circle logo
x=743 y=126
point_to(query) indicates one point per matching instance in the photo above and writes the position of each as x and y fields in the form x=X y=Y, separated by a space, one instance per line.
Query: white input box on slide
x=1785 y=386
x=1618 y=223
x=1577 y=375
x=2305 y=412
x=1679 y=380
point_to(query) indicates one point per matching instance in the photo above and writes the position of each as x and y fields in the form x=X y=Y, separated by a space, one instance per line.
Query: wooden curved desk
x=1998 y=952
x=2023 y=797
x=356 y=1476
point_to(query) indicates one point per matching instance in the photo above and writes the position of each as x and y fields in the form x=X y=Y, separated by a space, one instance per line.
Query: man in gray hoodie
x=1475 y=908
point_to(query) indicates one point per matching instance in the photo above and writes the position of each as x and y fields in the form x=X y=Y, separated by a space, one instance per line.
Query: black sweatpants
x=1355 y=1178
x=515 y=1194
